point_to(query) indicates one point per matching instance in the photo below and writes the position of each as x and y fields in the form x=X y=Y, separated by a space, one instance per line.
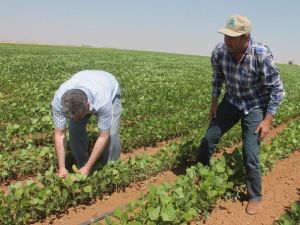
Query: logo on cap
x=231 y=23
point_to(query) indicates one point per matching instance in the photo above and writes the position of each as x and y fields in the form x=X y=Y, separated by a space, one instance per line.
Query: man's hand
x=63 y=172
x=84 y=170
x=213 y=112
x=213 y=109
x=99 y=146
x=264 y=127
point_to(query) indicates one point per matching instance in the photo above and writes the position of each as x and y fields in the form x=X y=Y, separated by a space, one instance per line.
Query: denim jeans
x=79 y=137
x=227 y=116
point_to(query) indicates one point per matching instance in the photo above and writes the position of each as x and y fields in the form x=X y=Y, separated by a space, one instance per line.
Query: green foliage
x=194 y=194
x=292 y=216
x=160 y=92
x=164 y=96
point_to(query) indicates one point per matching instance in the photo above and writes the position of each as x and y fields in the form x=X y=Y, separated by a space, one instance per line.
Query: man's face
x=81 y=115
x=236 y=44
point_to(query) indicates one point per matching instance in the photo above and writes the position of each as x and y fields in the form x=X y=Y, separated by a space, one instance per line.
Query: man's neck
x=238 y=56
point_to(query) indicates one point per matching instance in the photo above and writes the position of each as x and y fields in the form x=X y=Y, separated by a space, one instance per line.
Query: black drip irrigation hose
x=101 y=216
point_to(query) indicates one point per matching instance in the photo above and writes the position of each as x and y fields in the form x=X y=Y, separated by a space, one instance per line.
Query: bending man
x=86 y=93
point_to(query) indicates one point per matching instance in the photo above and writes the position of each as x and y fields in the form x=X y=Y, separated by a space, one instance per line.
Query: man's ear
x=247 y=37
x=88 y=106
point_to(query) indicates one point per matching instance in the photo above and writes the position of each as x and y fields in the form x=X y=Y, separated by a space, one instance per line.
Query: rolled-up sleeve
x=273 y=82
x=59 y=118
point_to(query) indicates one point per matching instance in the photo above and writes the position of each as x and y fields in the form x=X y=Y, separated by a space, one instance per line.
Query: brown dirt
x=281 y=187
x=3 y=188
x=147 y=150
x=82 y=213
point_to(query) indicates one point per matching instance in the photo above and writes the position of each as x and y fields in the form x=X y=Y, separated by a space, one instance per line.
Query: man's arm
x=59 y=136
x=99 y=146
x=104 y=124
x=272 y=82
x=213 y=108
x=217 y=83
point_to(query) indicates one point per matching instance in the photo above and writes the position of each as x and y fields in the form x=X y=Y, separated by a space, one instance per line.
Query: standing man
x=85 y=93
x=253 y=91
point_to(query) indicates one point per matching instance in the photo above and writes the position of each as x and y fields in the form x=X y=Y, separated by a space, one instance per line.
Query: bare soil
x=147 y=150
x=281 y=187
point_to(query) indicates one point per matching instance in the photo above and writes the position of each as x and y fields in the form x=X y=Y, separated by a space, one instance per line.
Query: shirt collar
x=248 y=50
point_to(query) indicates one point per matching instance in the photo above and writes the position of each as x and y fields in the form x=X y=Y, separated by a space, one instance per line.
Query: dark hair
x=74 y=102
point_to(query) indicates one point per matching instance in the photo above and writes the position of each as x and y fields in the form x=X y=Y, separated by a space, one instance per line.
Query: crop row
x=21 y=163
x=26 y=202
x=193 y=195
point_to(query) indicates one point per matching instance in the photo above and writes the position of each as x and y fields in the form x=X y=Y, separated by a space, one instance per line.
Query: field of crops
x=164 y=96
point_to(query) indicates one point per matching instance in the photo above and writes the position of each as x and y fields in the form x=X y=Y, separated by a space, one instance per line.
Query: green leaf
x=29 y=182
x=65 y=194
x=80 y=177
x=18 y=193
x=165 y=199
x=74 y=168
x=35 y=201
x=68 y=181
x=179 y=192
x=87 y=189
x=72 y=177
x=153 y=213
x=118 y=213
x=190 y=214
x=115 y=172
x=220 y=168
x=212 y=194
x=168 y=214
x=46 y=118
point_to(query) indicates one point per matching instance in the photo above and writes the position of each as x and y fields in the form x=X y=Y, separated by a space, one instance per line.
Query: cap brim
x=229 y=32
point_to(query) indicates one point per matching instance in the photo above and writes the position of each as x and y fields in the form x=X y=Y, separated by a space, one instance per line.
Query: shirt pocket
x=249 y=77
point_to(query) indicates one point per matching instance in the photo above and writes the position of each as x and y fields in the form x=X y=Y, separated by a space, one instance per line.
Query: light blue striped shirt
x=101 y=89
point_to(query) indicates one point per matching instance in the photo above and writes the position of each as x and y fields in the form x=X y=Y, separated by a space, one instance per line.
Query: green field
x=164 y=96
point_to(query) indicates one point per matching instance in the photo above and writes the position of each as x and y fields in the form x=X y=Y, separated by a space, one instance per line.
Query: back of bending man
x=87 y=93
x=253 y=92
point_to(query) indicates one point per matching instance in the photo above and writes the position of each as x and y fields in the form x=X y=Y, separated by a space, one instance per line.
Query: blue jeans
x=227 y=116
x=79 y=137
